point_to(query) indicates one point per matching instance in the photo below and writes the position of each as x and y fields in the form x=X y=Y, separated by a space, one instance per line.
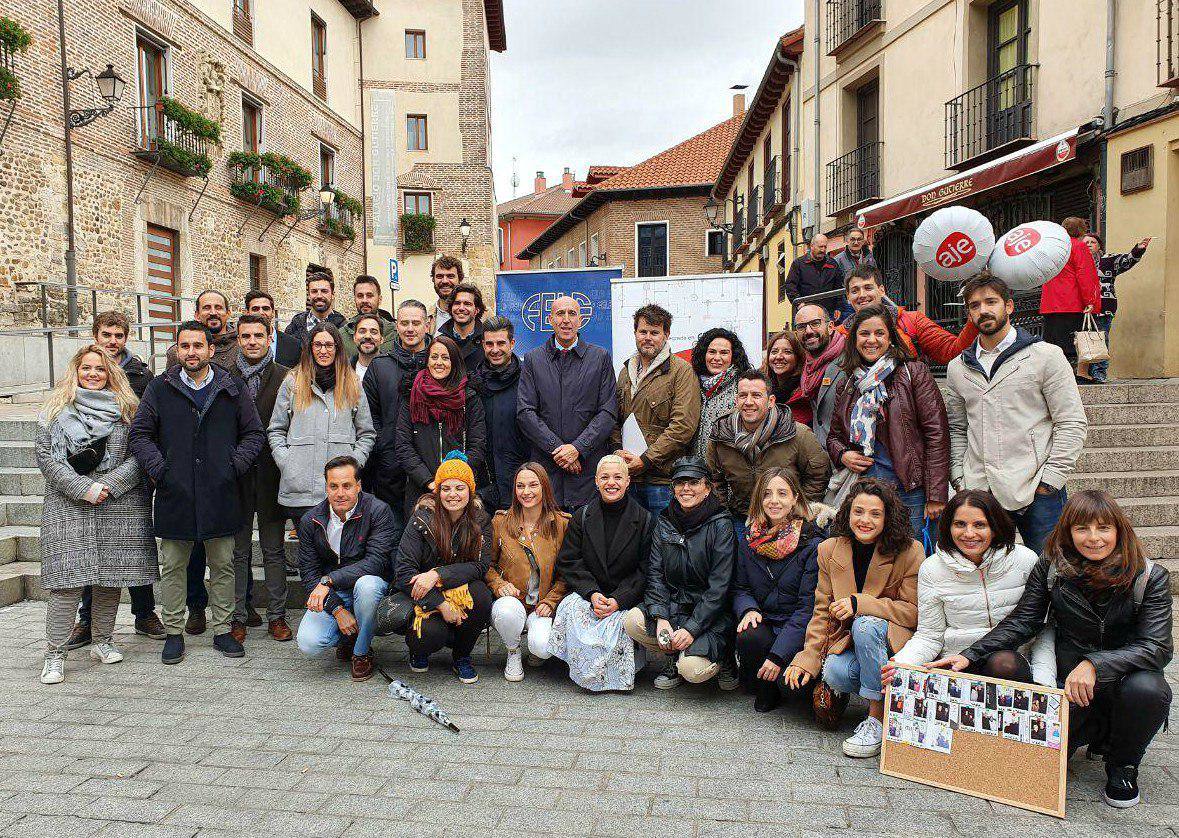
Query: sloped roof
x=552 y=201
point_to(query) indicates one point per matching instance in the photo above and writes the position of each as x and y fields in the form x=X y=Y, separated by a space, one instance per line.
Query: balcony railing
x=267 y=189
x=770 y=197
x=161 y=139
x=848 y=20
x=853 y=180
x=339 y=222
x=997 y=113
x=754 y=209
x=1167 y=43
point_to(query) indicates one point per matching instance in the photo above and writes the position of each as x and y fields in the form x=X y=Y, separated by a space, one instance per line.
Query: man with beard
x=445 y=273
x=321 y=299
x=110 y=331
x=212 y=309
x=821 y=374
x=366 y=296
x=369 y=342
x=284 y=349
x=465 y=326
x=662 y=392
x=1017 y=424
x=386 y=383
x=497 y=378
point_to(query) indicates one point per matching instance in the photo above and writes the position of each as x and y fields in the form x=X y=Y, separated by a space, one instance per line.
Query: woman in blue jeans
x=865 y=606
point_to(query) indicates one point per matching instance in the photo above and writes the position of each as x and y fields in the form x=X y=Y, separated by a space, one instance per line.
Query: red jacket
x=1075 y=287
x=923 y=335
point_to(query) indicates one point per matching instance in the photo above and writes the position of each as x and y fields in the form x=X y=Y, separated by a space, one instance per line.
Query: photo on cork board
x=989 y=722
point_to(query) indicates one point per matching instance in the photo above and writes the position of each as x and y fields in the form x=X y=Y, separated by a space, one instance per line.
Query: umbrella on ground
x=426 y=706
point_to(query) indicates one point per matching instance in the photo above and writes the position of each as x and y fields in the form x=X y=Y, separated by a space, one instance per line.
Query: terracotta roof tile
x=696 y=160
x=552 y=201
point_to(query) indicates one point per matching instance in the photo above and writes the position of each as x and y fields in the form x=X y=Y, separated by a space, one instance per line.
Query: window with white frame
x=714 y=242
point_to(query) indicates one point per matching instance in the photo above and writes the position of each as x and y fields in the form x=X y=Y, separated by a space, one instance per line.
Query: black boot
x=768 y=697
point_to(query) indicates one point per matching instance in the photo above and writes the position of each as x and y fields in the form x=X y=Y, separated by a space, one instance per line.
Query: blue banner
x=526 y=298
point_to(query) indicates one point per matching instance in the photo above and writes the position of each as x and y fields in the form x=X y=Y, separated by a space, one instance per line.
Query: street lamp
x=110 y=87
x=711 y=211
x=327 y=194
x=465 y=232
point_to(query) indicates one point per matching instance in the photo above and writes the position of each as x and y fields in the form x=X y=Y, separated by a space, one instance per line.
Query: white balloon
x=1031 y=254
x=953 y=244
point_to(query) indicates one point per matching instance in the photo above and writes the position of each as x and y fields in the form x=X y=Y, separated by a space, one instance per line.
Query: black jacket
x=689 y=577
x=471 y=346
x=287 y=350
x=297 y=328
x=616 y=565
x=195 y=456
x=138 y=373
x=386 y=384
x=418 y=552
x=1125 y=640
x=420 y=448
x=506 y=447
x=262 y=477
x=782 y=591
x=806 y=277
x=366 y=547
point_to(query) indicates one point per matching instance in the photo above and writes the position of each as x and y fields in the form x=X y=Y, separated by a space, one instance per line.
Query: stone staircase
x=1132 y=452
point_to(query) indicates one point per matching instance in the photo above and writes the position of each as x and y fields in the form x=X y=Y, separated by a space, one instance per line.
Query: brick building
x=523 y=219
x=647 y=218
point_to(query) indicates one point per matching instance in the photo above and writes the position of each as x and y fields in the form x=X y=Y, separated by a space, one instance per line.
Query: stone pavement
x=274 y=744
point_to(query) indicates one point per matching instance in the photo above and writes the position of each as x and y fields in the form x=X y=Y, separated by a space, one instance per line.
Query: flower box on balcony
x=179 y=139
x=270 y=181
x=14 y=39
x=341 y=216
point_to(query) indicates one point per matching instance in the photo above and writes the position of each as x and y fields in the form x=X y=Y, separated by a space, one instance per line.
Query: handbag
x=86 y=460
x=393 y=614
x=1090 y=342
x=826 y=702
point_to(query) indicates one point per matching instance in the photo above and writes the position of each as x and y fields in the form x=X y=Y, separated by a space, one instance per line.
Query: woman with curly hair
x=718 y=358
x=865 y=605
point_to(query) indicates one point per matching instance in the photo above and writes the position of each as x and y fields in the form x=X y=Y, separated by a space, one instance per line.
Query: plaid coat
x=81 y=544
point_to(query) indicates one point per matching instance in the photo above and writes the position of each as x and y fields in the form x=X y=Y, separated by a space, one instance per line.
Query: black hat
x=688 y=468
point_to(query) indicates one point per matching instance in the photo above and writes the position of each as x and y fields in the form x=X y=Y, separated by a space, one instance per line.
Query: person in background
x=95 y=518
x=890 y=420
x=465 y=326
x=366 y=334
x=685 y=612
x=1071 y=294
x=321 y=302
x=815 y=273
x=524 y=545
x=568 y=405
x=774 y=591
x=865 y=607
x=972 y=581
x=718 y=358
x=662 y=393
x=603 y=562
x=856 y=254
x=366 y=297
x=919 y=334
x=443 y=414
x=346 y=545
x=783 y=368
x=497 y=380
x=1011 y=386
x=212 y=310
x=445 y=273
x=442 y=561
x=1109 y=267
x=195 y=434
x=1111 y=607
x=259 y=492
x=283 y=348
x=822 y=377
x=111 y=330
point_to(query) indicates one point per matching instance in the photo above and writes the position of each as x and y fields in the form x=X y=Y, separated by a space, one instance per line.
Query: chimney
x=539 y=185
x=738 y=104
x=567 y=180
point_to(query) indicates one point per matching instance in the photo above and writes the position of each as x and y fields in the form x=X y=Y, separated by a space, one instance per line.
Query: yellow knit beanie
x=455 y=467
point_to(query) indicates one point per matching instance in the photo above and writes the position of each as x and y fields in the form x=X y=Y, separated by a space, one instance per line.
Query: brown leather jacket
x=509 y=563
x=913 y=425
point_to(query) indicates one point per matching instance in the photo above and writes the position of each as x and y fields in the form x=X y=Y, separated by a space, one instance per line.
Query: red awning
x=1019 y=164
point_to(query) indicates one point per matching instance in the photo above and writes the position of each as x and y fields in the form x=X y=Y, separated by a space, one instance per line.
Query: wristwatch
x=326 y=581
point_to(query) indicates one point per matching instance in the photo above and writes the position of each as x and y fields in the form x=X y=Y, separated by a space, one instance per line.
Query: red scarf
x=813 y=369
x=429 y=402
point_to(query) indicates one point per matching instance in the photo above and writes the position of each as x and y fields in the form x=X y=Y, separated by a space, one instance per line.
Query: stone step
x=18 y=429
x=20 y=510
x=1159 y=542
x=1153 y=413
x=20 y=544
x=1132 y=391
x=22 y=481
x=1158 y=458
x=20 y=581
x=1152 y=512
x=1132 y=436
x=1129 y=484
x=17 y=454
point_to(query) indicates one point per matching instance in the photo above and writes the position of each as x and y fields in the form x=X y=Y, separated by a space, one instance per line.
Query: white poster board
x=697 y=303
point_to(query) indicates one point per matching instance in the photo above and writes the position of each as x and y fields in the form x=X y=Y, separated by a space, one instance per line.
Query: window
x=242 y=7
x=499 y=243
x=569 y=255
x=251 y=126
x=415 y=43
x=782 y=271
x=714 y=243
x=593 y=249
x=415 y=131
x=868 y=114
x=1138 y=170
x=581 y=255
x=152 y=69
x=327 y=165
x=651 y=249
x=318 y=53
x=418 y=203
x=243 y=24
x=162 y=269
x=785 y=155
x=257 y=272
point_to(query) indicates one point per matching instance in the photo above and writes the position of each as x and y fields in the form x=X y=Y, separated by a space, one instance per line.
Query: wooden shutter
x=162 y=247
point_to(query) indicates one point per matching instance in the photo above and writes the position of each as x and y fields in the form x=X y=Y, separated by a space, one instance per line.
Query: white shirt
x=191 y=382
x=361 y=369
x=557 y=344
x=987 y=357
x=335 y=527
x=441 y=315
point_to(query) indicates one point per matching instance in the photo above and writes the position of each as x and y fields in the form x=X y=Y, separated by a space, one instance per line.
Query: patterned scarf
x=866 y=409
x=252 y=373
x=750 y=442
x=814 y=367
x=711 y=384
x=774 y=543
x=429 y=402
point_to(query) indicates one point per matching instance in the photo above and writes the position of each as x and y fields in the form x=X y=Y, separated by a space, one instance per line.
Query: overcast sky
x=612 y=82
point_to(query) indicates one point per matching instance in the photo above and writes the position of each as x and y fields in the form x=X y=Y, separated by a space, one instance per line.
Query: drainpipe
x=364 y=167
x=818 y=164
x=1107 y=115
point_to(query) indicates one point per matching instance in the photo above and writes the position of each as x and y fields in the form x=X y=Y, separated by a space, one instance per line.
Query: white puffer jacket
x=958 y=603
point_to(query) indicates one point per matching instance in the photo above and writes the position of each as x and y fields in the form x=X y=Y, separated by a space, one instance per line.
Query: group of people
x=814 y=521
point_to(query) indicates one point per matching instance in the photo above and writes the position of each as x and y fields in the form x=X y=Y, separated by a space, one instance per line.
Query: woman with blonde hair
x=96 y=517
x=318 y=414
x=523 y=576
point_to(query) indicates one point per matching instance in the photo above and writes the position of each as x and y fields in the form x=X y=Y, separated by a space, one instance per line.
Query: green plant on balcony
x=180 y=159
x=417 y=232
x=14 y=39
x=338 y=227
x=277 y=190
x=191 y=121
x=347 y=203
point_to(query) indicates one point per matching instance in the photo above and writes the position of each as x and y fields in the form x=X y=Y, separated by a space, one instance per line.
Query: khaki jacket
x=667 y=408
x=890 y=593
x=509 y=563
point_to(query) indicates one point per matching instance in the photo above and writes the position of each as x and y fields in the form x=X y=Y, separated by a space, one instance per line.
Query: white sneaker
x=514 y=670
x=106 y=653
x=865 y=742
x=53 y=672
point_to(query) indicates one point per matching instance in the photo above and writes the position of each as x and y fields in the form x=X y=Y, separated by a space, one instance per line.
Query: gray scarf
x=252 y=373
x=637 y=375
x=749 y=442
x=90 y=417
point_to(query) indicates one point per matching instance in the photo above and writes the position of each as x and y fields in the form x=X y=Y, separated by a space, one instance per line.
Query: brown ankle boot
x=279 y=630
x=344 y=647
x=238 y=630
x=362 y=667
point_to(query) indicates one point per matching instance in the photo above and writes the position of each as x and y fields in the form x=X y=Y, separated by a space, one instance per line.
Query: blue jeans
x=857 y=670
x=318 y=630
x=1036 y=520
x=1099 y=371
x=652 y=498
